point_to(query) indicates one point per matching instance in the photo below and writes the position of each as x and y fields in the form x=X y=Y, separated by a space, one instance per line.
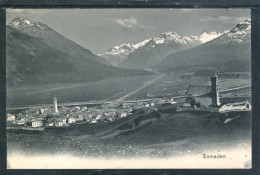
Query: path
x=142 y=87
x=235 y=88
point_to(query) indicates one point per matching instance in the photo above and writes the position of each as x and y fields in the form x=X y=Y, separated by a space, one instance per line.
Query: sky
x=100 y=29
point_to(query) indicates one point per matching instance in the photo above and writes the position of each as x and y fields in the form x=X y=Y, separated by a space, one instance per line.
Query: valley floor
x=161 y=139
x=127 y=88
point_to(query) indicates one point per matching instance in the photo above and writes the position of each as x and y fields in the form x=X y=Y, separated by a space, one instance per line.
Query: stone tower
x=215 y=91
x=55 y=105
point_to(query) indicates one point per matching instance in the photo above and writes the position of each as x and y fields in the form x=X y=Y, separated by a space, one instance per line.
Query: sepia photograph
x=132 y=88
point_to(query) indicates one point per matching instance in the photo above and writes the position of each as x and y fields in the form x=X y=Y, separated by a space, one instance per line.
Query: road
x=235 y=88
x=142 y=87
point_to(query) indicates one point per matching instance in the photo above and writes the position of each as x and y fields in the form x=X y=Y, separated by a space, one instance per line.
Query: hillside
x=36 y=54
x=229 y=52
x=151 y=135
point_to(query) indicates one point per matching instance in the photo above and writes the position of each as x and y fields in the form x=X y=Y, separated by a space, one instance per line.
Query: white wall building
x=238 y=106
x=10 y=117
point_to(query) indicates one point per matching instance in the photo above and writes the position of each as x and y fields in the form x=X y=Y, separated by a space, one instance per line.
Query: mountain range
x=229 y=52
x=152 y=50
x=37 y=54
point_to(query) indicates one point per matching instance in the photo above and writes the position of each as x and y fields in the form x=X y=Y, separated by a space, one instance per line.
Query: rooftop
x=197 y=90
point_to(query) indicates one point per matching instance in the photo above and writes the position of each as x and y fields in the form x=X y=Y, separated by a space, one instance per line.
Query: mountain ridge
x=119 y=53
x=44 y=56
x=232 y=46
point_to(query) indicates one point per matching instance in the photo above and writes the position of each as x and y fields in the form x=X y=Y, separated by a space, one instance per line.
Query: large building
x=199 y=96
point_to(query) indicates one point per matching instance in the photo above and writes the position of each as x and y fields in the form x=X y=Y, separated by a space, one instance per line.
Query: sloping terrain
x=162 y=128
x=36 y=55
x=144 y=136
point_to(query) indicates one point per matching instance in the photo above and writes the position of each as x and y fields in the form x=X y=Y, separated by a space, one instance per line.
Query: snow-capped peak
x=242 y=26
x=173 y=36
x=208 y=36
x=124 y=50
x=240 y=33
x=168 y=37
x=142 y=43
x=120 y=50
x=20 y=23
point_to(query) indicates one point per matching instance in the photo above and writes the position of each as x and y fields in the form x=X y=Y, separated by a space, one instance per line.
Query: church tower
x=55 y=105
x=215 y=91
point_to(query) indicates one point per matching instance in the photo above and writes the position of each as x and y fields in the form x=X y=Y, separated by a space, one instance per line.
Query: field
x=107 y=89
x=139 y=87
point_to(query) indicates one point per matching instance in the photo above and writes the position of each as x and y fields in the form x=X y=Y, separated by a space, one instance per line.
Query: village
x=198 y=98
x=55 y=116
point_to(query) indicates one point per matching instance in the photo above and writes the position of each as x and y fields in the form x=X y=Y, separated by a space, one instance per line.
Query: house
x=36 y=123
x=147 y=105
x=199 y=96
x=149 y=110
x=50 y=121
x=238 y=106
x=110 y=114
x=110 y=118
x=172 y=101
x=58 y=122
x=10 y=117
x=40 y=110
x=71 y=120
x=41 y=116
x=87 y=114
x=75 y=108
x=93 y=121
x=122 y=114
x=20 y=122
x=61 y=118
x=84 y=108
x=97 y=115
x=80 y=117
x=64 y=120
x=86 y=119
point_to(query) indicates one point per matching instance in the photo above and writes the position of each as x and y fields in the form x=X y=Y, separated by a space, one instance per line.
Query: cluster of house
x=64 y=116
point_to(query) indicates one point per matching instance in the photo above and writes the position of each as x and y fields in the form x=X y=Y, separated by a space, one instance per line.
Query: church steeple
x=215 y=91
x=55 y=105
